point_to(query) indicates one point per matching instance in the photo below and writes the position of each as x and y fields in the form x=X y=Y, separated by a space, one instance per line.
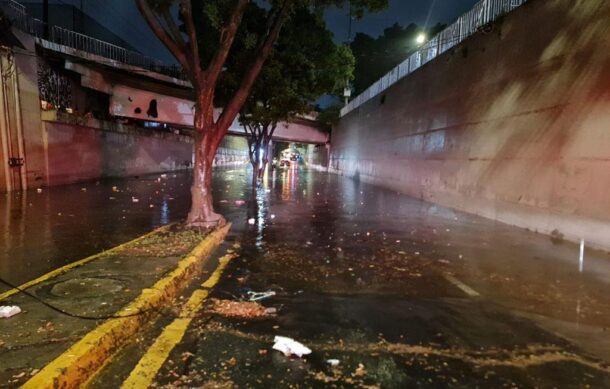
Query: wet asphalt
x=402 y=292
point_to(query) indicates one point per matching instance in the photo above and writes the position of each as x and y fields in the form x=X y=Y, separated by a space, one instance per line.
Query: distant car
x=288 y=157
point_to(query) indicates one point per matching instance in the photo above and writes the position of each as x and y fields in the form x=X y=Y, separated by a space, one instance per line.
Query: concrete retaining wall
x=232 y=151
x=513 y=124
x=79 y=153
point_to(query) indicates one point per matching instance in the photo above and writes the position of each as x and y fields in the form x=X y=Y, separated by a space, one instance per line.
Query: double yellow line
x=73 y=265
x=143 y=375
x=83 y=359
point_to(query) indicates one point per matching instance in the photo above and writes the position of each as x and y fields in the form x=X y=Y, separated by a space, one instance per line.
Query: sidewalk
x=134 y=282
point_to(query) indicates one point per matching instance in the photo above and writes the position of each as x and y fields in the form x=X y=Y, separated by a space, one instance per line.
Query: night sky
x=122 y=17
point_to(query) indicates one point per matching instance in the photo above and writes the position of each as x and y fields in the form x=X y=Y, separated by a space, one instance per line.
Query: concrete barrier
x=512 y=124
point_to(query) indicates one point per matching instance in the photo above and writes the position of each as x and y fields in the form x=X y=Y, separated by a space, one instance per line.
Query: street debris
x=333 y=362
x=134 y=200
x=289 y=347
x=360 y=371
x=7 y=311
x=239 y=309
x=258 y=296
x=251 y=221
x=271 y=311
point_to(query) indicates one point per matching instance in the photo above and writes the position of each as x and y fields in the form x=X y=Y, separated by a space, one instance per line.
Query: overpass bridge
x=75 y=108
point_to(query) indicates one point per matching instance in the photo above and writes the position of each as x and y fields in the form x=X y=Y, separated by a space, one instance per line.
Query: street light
x=421 y=39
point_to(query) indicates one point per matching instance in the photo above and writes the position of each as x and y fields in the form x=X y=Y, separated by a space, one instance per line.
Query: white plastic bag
x=7 y=311
x=289 y=347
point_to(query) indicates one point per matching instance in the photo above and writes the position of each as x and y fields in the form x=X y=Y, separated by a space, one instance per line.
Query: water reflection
x=334 y=217
x=42 y=231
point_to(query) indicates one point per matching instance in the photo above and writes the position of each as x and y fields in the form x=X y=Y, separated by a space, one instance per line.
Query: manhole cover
x=86 y=287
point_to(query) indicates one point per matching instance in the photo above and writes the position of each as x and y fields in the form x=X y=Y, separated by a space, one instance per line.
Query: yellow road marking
x=73 y=265
x=146 y=370
x=77 y=364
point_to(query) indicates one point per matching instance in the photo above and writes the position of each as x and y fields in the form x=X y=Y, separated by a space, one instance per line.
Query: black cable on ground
x=83 y=317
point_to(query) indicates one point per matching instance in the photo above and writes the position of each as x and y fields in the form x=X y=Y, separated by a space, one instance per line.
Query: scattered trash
x=239 y=309
x=134 y=200
x=251 y=221
x=271 y=311
x=7 y=311
x=258 y=296
x=360 y=371
x=239 y=202
x=289 y=347
x=333 y=362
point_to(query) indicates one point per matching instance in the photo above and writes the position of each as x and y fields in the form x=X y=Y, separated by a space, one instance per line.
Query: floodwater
x=42 y=231
x=401 y=292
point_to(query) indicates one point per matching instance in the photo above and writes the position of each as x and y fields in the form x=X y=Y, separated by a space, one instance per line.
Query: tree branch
x=173 y=29
x=227 y=37
x=232 y=109
x=273 y=127
x=187 y=15
x=165 y=37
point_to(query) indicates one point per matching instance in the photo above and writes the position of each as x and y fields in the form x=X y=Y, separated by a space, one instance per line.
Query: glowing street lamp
x=421 y=39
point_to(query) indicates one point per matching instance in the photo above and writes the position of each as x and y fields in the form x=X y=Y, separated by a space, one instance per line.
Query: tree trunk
x=255 y=161
x=202 y=208
x=264 y=145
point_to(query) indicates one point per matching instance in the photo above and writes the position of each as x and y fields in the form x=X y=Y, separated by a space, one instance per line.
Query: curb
x=77 y=364
x=70 y=266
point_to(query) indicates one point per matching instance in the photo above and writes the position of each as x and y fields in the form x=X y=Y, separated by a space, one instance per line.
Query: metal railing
x=483 y=13
x=19 y=17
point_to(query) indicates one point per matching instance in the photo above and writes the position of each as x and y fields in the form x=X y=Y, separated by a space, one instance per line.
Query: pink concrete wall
x=513 y=125
x=77 y=153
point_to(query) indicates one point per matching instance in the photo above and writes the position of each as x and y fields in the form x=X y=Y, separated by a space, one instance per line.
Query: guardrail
x=484 y=12
x=18 y=15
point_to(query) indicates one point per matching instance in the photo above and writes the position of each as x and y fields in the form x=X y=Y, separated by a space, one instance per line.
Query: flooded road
x=401 y=292
x=42 y=231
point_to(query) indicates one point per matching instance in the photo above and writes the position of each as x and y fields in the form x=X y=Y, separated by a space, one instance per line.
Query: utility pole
x=45 y=19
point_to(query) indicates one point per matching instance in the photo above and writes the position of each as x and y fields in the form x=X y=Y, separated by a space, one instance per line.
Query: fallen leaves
x=239 y=309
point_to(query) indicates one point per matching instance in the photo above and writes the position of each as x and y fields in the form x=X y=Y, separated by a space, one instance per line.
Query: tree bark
x=254 y=146
x=267 y=133
x=202 y=207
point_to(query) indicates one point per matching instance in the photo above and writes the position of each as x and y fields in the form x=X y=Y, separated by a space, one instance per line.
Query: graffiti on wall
x=55 y=89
